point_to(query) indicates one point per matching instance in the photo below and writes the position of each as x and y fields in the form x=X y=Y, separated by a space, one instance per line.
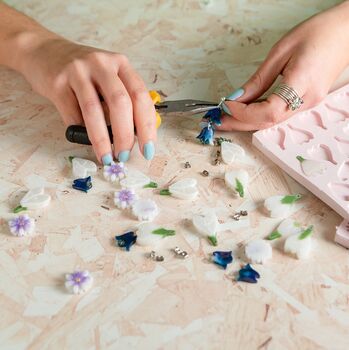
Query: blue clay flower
x=247 y=274
x=214 y=116
x=83 y=184
x=222 y=258
x=126 y=240
x=206 y=135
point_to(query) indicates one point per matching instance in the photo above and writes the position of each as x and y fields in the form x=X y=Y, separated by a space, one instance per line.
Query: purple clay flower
x=114 y=171
x=206 y=135
x=125 y=198
x=248 y=274
x=222 y=258
x=214 y=116
x=78 y=282
x=22 y=225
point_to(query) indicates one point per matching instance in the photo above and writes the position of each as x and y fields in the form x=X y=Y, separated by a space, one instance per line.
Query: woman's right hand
x=72 y=76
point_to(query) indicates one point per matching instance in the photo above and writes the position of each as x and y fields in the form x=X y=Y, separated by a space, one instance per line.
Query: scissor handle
x=78 y=134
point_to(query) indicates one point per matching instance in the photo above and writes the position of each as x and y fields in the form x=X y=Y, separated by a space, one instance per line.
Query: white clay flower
x=286 y=228
x=114 y=171
x=35 y=198
x=258 y=251
x=78 y=282
x=22 y=225
x=280 y=206
x=136 y=179
x=299 y=245
x=184 y=189
x=145 y=210
x=230 y=152
x=207 y=225
x=312 y=167
x=82 y=168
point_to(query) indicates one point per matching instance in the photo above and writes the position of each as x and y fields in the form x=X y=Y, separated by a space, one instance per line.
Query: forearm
x=19 y=34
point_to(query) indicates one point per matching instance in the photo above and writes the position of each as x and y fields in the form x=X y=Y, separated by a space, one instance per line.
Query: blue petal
x=126 y=240
x=214 y=115
x=206 y=135
x=248 y=274
x=82 y=184
x=222 y=258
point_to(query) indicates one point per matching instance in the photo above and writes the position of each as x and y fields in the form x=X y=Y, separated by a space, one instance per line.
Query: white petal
x=275 y=208
x=83 y=167
x=35 y=199
x=288 y=227
x=231 y=177
x=184 y=189
x=135 y=179
x=313 y=167
x=145 y=237
x=301 y=248
x=231 y=152
x=206 y=225
x=258 y=251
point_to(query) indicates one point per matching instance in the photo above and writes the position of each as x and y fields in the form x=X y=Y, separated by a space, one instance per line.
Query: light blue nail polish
x=107 y=159
x=124 y=156
x=226 y=109
x=149 y=150
x=236 y=94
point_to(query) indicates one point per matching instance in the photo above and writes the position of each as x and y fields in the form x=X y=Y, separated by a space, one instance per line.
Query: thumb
x=262 y=79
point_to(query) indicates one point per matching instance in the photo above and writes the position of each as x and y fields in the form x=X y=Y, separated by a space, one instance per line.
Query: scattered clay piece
x=145 y=209
x=280 y=206
x=78 y=282
x=82 y=167
x=299 y=245
x=258 y=251
x=230 y=152
x=237 y=181
x=35 y=199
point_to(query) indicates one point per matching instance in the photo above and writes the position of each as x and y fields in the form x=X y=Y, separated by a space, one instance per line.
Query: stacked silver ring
x=289 y=95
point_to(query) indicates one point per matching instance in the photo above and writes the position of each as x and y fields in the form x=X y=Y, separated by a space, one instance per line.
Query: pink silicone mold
x=342 y=234
x=320 y=134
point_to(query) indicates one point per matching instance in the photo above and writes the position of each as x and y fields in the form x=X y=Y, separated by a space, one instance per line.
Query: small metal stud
x=181 y=253
x=155 y=257
x=205 y=173
x=187 y=165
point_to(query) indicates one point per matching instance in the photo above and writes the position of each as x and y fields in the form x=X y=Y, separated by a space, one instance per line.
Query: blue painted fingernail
x=124 y=156
x=236 y=94
x=149 y=150
x=107 y=159
x=226 y=109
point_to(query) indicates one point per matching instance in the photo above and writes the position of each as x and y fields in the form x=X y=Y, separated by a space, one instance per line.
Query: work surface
x=185 y=49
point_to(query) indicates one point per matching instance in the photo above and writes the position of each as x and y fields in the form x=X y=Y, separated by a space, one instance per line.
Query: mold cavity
x=343 y=145
x=343 y=172
x=313 y=118
x=346 y=129
x=340 y=190
x=321 y=152
x=300 y=136
x=276 y=135
x=337 y=115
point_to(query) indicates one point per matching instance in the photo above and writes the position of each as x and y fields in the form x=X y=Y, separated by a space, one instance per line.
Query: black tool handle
x=78 y=134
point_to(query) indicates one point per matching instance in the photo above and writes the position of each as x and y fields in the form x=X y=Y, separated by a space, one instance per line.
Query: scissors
x=78 y=133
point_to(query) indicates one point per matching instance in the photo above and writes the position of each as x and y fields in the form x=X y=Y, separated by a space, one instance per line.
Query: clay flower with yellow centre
x=22 y=225
x=78 y=282
x=114 y=171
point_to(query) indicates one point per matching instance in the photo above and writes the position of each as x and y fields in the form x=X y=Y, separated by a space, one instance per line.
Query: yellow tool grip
x=156 y=98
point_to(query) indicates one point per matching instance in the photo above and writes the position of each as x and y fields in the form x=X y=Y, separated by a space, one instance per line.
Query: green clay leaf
x=19 y=209
x=291 y=199
x=163 y=232
x=301 y=159
x=213 y=240
x=239 y=188
x=151 y=185
x=307 y=232
x=165 y=192
x=274 y=235
x=70 y=158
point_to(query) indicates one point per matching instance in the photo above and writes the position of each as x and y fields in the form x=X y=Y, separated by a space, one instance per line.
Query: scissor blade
x=185 y=106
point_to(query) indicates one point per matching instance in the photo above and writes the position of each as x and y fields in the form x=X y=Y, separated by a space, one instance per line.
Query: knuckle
x=119 y=97
x=121 y=59
x=273 y=117
x=90 y=104
x=97 y=57
x=256 y=80
x=99 y=141
x=141 y=95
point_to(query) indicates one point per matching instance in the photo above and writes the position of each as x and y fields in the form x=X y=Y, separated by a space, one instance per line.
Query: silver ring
x=289 y=95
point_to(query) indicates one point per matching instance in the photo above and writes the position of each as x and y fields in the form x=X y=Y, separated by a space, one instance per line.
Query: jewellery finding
x=181 y=253
x=155 y=257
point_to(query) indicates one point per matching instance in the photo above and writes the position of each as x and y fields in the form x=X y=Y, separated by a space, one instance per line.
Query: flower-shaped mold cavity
x=276 y=135
x=300 y=136
x=343 y=172
x=312 y=118
x=336 y=114
x=321 y=152
x=343 y=145
x=340 y=190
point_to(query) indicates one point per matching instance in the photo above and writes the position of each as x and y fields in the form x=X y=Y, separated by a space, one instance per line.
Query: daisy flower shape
x=114 y=171
x=78 y=282
x=145 y=210
x=22 y=225
x=125 y=198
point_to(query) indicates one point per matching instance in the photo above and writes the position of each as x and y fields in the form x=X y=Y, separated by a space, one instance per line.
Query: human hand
x=73 y=76
x=309 y=58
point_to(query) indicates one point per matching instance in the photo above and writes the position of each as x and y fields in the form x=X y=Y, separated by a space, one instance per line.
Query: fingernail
x=107 y=159
x=149 y=150
x=226 y=109
x=124 y=156
x=236 y=94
